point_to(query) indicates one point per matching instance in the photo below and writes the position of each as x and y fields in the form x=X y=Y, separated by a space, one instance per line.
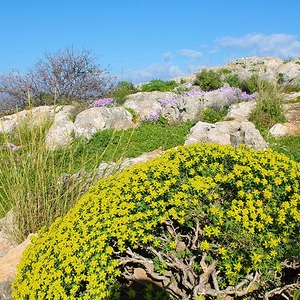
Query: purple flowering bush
x=168 y=101
x=105 y=102
x=235 y=94
x=152 y=118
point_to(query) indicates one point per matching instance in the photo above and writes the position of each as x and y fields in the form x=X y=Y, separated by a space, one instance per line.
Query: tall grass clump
x=269 y=106
x=36 y=183
x=30 y=184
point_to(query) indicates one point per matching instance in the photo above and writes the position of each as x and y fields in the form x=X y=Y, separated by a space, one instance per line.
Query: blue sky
x=142 y=40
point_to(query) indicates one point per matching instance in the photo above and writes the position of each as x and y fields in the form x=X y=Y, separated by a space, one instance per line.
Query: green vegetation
x=31 y=177
x=127 y=143
x=288 y=145
x=212 y=115
x=206 y=206
x=291 y=88
x=122 y=90
x=195 y=211
x=252 y=84
x=159 y=85
x=268 y=110
x=208 y=80
x=233 y=80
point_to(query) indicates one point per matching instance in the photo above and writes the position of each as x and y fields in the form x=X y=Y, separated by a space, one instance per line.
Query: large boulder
x=183 y=108
x=227 y=133
x=10 y=254
x=240 y=111
x=190 y=105
x=146 y=104
x=35 y=116
x=292 y=124
x=215 y=99
x=290 y=71
x=60 y=133
x=89 y=121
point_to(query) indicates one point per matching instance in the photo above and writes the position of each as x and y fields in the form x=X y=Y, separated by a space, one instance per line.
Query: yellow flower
x=256 y=258
x=238 y=266
x=267 y=194
x=222 y=251
x=277 y=181
x=204 y=245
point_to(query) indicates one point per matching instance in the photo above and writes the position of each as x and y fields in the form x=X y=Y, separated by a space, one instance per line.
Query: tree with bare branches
x=63 y=76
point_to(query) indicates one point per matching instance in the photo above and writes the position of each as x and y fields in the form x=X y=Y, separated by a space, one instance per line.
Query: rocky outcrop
x=10 y=254
x=60 y=133
x=240 y=111
x=91 y=120
x=9 y=262
x=33 y=116
x=145 y=104
x=268 y=68
x=292 y=124
x=227 y=133
x=190 y=105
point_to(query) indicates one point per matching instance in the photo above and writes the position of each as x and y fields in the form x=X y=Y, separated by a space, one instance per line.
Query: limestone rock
x=251 y=137
x=6 y=227
x=292 y=124
x=94 y=119
x=278 y=130
x=60 y=133
x=185 y=108
x=190 y=105
x=290 y=71
x=5 y=289
x=147 y=103
x=215 y=100
x=227 y=133
x=9 y=262
x=36 y=116
x=240 y=111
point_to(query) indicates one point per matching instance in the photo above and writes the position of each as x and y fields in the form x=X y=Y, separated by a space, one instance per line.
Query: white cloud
x=277 y=45
x=190 y=53
x=164 y=71
x=167 y=56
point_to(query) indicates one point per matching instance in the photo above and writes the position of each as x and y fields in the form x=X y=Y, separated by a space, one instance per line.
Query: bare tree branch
x=66 y=75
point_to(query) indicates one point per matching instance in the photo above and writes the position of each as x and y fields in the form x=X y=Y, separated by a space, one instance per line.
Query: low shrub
x=233 y=80
x=159 y=85
x=254 y=83
x=212 y=115
x=208 y=80
x=123 y=89
x=202 y=221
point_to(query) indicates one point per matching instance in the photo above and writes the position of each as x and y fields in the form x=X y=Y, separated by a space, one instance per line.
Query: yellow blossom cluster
x=245 y=204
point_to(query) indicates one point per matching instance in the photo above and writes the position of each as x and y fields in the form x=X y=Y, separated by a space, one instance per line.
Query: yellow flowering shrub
x=200 y=220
